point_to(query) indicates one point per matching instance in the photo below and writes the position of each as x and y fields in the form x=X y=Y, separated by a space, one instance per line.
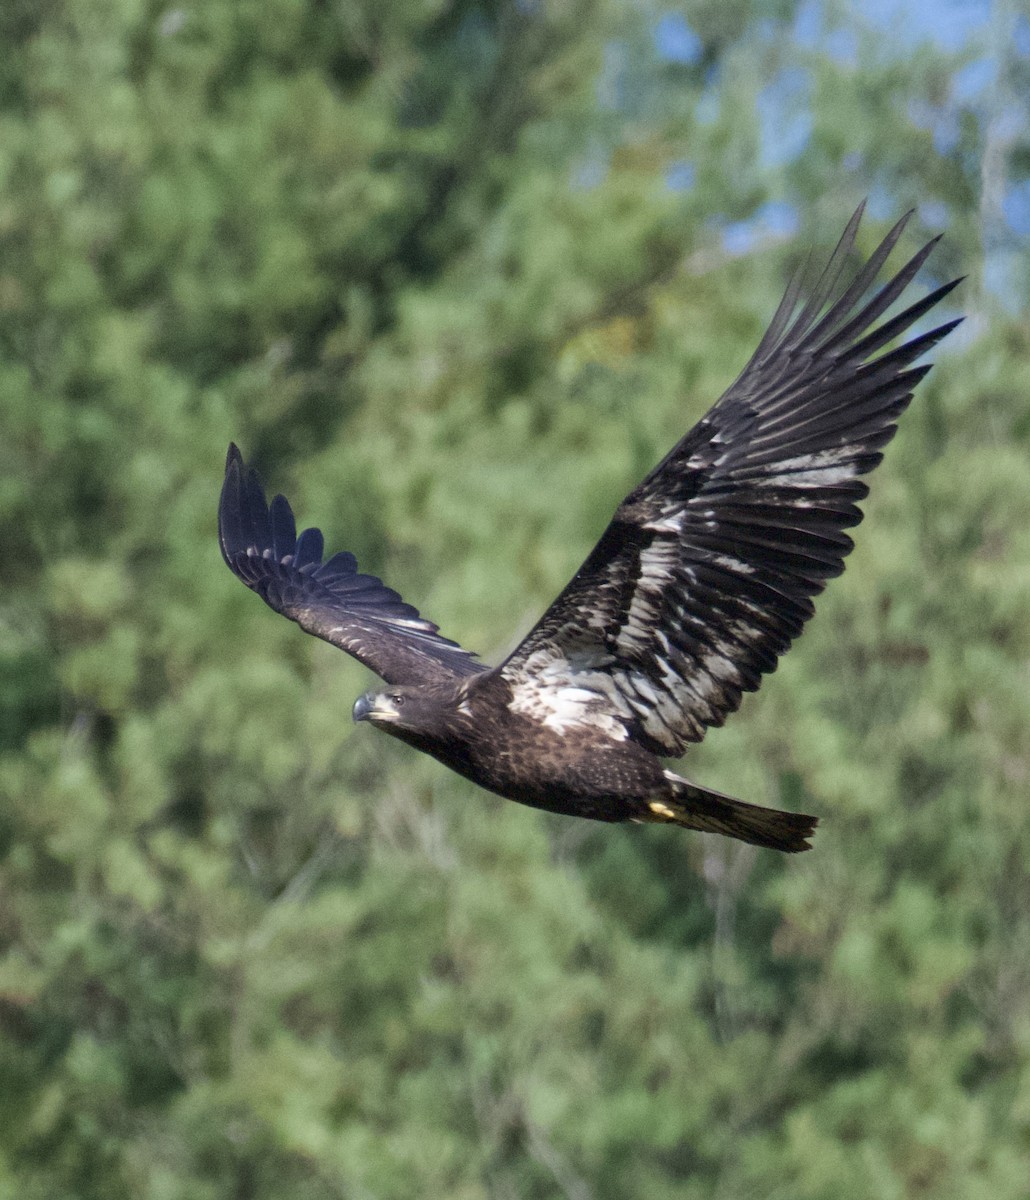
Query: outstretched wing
x=707 y=571
x=358 y=613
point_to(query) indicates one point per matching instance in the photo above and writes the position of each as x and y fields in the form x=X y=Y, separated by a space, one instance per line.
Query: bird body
x=704 y=576
x=593 y=774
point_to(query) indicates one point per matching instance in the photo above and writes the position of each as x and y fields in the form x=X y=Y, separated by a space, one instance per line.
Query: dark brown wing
x=707 y=571
x=357 y=613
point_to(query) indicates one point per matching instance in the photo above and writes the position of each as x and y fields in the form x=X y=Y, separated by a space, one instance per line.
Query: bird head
x=409 y=713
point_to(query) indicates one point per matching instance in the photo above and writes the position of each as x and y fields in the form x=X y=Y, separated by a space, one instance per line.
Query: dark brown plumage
x=702 y=580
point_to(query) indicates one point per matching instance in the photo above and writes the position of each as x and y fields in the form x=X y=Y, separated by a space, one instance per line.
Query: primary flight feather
x=703 y=578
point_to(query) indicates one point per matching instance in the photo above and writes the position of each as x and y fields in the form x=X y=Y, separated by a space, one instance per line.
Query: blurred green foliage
x=421 y=260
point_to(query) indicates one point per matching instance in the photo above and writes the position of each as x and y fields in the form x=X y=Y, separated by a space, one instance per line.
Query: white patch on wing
x=822 y=469
x=823 y=477
x=732 y=564
x=563 y=699
x=415 y=624
x=570 y=690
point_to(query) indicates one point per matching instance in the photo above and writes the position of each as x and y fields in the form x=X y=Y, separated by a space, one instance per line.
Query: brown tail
x=712 y=812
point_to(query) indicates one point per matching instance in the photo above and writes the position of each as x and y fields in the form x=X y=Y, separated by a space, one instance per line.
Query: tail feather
x=712 y=812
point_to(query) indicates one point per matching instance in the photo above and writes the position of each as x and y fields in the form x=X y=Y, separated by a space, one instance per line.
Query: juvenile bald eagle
x=703 y=578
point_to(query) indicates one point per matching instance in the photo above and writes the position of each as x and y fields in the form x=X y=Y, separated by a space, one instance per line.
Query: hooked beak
x=372 y=707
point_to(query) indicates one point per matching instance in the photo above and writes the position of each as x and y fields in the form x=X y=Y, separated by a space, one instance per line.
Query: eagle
x=703 y=578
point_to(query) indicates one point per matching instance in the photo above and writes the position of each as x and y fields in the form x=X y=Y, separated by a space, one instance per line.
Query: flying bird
x=703 y=578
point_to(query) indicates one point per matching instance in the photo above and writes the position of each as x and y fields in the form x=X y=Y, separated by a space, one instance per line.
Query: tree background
x=456 y=273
